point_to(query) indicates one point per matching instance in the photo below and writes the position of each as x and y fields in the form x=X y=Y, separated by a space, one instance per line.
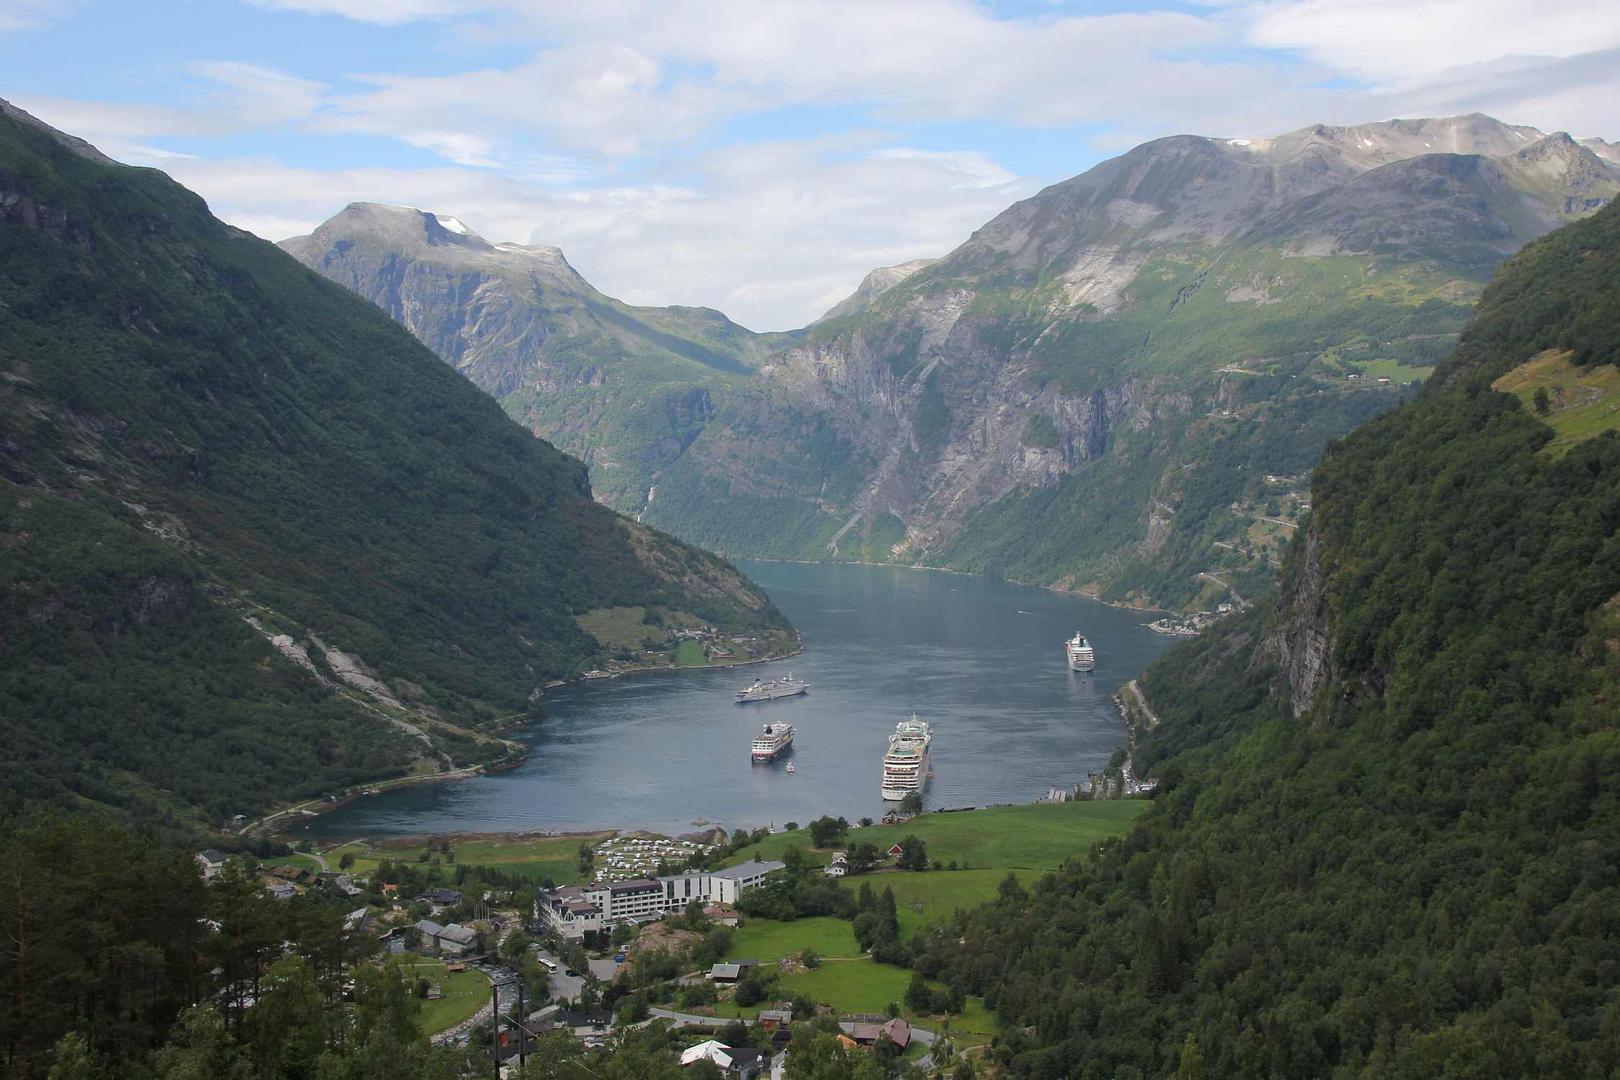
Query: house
x=722 y=914
x=452 y=940
x=730 y=973
x=771 y=1019
x=356 y=919
x=745 y=1061
x=343 y=883
x=846 y=1042
x=712 y=1050
x=291 y=873
x=583 y=1022
x=895 y=851
x=898 y=1031
x=865 y=1034
x=838 y=867
x=281 y=890
x=211 y=861
x=441 y=897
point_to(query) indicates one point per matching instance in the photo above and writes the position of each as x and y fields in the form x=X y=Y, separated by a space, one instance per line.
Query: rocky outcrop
x=1300 y=640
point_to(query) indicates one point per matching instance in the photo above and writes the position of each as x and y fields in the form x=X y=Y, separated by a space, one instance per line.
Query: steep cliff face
x=1117 y=385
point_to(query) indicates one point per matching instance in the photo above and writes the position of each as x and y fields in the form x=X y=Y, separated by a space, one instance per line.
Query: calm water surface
x=982 y=661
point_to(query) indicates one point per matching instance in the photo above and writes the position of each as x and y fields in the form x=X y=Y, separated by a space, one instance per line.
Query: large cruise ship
x=905 y=765
x=787 y=686
x=773 y=742
x=1081 y=656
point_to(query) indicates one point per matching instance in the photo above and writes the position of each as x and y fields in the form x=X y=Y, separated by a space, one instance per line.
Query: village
x=512 y=943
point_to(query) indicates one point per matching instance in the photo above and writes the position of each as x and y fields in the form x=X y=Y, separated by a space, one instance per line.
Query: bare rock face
x=1301 y=642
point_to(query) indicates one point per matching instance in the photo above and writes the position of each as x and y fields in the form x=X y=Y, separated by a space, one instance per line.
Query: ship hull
x=1082 y=665
x=765 y=757
x=770 y=695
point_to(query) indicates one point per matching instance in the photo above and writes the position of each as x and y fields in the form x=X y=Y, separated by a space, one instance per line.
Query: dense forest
x=195 y=432
x=1388 y=825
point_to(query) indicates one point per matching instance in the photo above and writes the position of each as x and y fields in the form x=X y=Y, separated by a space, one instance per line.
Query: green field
x=933 y=895
x=1032 y=837
x=690 y=654
x=1392 y=369
x=465 y=992
x=1583 y=402
x=767 y=940
x=302 y=862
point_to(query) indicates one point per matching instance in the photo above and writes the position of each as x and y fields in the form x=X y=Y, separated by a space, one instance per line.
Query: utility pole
x=523 y=1028
x=495 y=1023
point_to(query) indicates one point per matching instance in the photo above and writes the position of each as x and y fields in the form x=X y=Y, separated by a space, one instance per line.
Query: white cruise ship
x=1081 y=656
x=773 y=742
x=787 y=686
x=905 y=765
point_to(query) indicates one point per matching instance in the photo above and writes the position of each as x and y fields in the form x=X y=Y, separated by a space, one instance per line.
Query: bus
x=549 y=965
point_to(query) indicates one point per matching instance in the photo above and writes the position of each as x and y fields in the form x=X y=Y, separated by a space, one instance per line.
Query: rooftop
x=751 y=868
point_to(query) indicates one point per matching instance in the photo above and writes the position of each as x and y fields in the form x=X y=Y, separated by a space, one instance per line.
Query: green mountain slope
x=1384 y=843
x=245 y=441
x=624 y=388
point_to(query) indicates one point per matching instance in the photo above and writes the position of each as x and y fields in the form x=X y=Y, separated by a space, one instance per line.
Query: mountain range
x=244 y=513
x=1116 y=386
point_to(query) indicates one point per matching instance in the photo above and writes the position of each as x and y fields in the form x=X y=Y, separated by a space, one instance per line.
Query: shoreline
x=282 y=818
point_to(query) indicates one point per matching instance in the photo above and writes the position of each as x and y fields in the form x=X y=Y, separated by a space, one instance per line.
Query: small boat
x=792 y=767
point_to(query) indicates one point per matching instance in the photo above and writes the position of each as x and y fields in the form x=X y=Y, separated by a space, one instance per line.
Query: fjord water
x=980 y=660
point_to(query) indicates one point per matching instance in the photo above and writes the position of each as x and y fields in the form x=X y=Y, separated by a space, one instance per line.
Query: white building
x=575 y=910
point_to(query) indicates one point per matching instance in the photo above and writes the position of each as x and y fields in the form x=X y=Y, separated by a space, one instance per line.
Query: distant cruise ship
x=773 y=742
x=905 y=765
x=787 y=686
x=1081 y=656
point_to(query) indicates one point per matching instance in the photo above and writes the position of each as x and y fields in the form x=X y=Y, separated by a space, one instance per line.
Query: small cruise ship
x=905 y=764
x=787 y=686
x=773 y=742
x=1081 y=655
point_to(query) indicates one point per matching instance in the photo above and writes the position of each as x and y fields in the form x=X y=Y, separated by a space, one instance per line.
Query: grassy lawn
x=690 y=654
x=1583 y=401
x=465 y=992
x=767 y=940
x=1031 y=837
x=933 y=895
x=619 y=627
x=1393 y=369
x=861 y=986
x=302 y=862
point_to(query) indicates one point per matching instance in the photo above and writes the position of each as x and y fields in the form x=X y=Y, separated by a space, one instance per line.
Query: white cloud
x=30 y=14
x=1398 y=42
x=772 y=235
x=381 y=12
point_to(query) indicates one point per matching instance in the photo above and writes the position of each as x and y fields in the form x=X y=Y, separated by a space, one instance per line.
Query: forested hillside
x=1387 y=836
x=258 y=539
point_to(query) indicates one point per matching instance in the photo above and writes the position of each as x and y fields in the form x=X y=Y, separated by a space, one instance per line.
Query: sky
x=752 y=155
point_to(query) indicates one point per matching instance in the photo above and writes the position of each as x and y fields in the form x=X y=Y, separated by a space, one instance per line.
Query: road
x=1136 y=692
